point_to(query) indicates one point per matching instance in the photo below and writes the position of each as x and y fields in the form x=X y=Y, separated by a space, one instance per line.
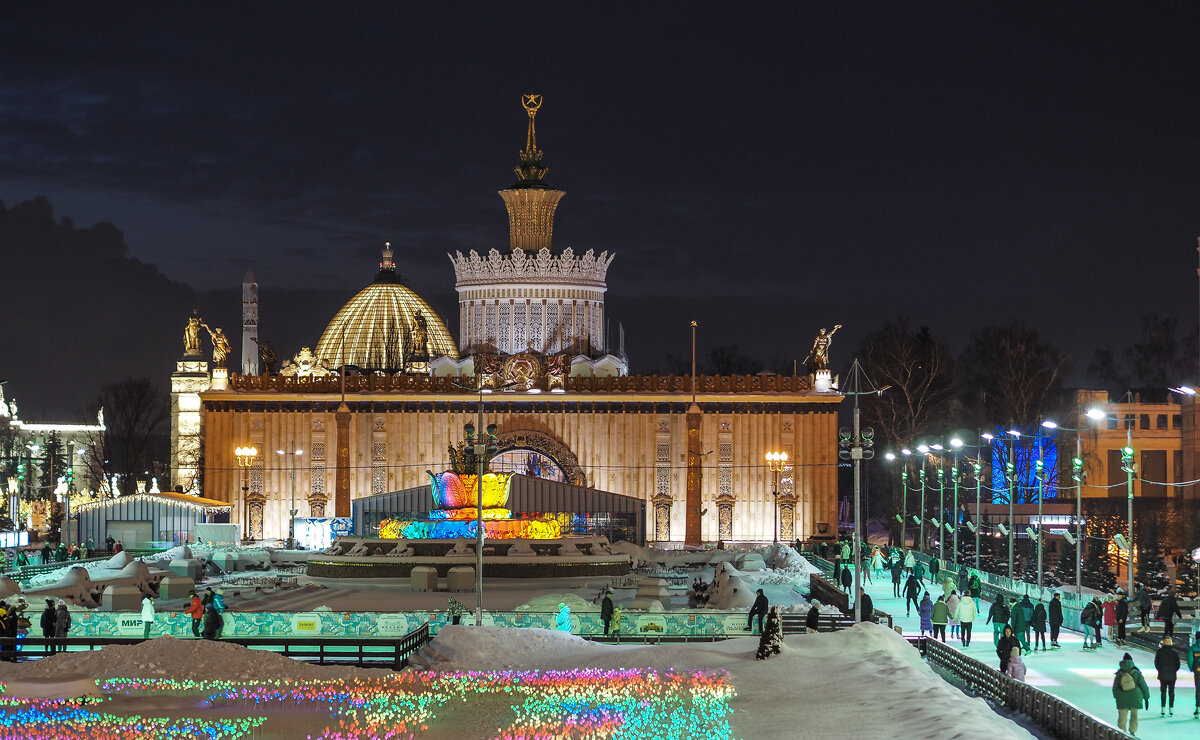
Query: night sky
x=764 y=169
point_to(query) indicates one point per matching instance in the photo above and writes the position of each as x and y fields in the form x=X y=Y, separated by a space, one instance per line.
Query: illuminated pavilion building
x=533 y=350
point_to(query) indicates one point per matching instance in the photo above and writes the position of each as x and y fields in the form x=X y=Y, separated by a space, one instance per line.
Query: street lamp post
x=856 y=445
x=1011 y=468
x=921 y=534
x=776 y=461
x=941 y=517
x=1078 y=473
x=245 y=460
x=291 y=452
x=1041 y=489
x=904 y=503
x=978 y=469
x=957 y=444
x=1128 y=465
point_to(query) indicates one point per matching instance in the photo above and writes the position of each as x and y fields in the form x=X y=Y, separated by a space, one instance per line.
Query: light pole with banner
x=856 y=445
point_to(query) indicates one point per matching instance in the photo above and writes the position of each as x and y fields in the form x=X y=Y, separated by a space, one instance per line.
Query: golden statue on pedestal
x=818 y=356
x=191 y=335
x=220 y=345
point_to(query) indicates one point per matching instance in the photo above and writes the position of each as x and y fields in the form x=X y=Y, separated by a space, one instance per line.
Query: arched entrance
x=543 y=449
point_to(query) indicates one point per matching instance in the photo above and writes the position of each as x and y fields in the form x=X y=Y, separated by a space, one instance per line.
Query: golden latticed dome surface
x=387 y=327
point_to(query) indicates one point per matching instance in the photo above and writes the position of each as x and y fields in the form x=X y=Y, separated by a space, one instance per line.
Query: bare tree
x=135 y=414
x=918 y=368
x=1009 y=374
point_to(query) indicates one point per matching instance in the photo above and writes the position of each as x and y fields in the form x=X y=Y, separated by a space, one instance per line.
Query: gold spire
x=530 y=172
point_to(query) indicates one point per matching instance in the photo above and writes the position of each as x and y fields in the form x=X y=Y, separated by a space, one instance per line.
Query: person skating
x=1016 y=666
x=965 y=614
x=1122 y=615
x=606 y=610
x=998 y=617
x=926 y=612
x=758 y=608
x=940 y=617
x=912 y=587
x=1055 y=619
x=910 y=561
x=1166 y=663
x=877 y=561
x=897 y=576
x=952 y=604
x=1131 y=693
x=1145 y=606
x=1168 y=610
x=1193 y=661
x=935 y=569
x=964 y=582
x=195 y=610
x=811 y=620
x=1038 y=625
x=976 y=589
x=1090 y=619
x=47 y=622
x=147 y=616
x=918 y=570
x=1020 y=623
x=1004 y=647
x=1109 y=610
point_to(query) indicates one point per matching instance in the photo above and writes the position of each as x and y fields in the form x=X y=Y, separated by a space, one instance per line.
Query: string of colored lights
x=571 y=704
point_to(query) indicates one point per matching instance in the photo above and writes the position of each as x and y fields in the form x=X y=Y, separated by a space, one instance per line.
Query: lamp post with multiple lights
x=776 y=462
x=245 y=460
x=1128 y=465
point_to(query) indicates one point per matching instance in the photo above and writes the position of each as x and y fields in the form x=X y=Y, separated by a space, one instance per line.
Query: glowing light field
x=520 y=705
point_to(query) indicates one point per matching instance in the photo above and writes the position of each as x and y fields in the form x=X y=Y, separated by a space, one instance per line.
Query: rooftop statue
x=191 y=335
x=818 y=356
x=220 y=345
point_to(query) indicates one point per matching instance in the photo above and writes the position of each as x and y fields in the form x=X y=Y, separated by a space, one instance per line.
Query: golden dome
x=377 y=328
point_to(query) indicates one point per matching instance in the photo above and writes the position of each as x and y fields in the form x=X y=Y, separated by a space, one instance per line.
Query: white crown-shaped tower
x=530 y=299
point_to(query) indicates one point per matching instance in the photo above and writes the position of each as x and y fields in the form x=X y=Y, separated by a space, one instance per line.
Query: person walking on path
x=939 y=617
x=846 y=551
x=1026 y=609
x=1122 y=615
x=1004 y=647
x=952 y=604
x=1055 y=618
x=998 y=617
x=1019 y=624
x=897 y=576
x=758 y=608
x=926 y=612
x=1038 y=625
x=195 y=610
x=108 y=545
x=912 y=587
x=606 y=610
x=1131 y=693
x=147 y=616
x=814 y=614
x=47 y=623
x=1016 y=666
x=563 y=620
x=976 y=589
x=62 y=625
x=1166 y=663
x=1193 y=657
x=213 y=623
x=847 y=578
x=1145 y=606
x=1168 y=609
x=965 y=614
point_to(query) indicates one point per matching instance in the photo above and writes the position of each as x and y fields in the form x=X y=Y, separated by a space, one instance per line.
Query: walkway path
x=1082 y=678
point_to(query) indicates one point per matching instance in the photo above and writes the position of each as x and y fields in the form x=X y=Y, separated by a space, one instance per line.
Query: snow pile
x=646 y=556
x=730 y=589
x=550 y=602
x=867 y=675
x=168 y=657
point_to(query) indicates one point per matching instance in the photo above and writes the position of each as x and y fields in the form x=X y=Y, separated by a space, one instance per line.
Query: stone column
x=662 y=517
x=341 y=488
x=691 y=514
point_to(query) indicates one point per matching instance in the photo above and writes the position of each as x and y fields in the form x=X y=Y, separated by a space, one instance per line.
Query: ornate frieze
x=541 y=267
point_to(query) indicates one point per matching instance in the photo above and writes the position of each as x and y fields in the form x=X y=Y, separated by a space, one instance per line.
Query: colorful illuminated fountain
x=455 y=498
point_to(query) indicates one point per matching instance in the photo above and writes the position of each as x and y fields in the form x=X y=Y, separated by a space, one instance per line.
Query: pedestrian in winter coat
x=814 y=613
x=1110 y=615
x=1038 y=625
x=926 y=611
x=1131 y=692
x=606 y=610
x=1193 y=661
x=964 y=582
x=616 y=620
x=846 y=551
x=976 y=588
x=866 y=608
x=195 y=610
x=877 y=561
x=935 y=567
x=939 y=617
x=563 y=620
x=62 y=624
x=919 y=570
x=1168 y=610
x=1004 y=647
x=1122 y=615
x=966 y=614
x=1166 y=662
x=213 y=623
x=947 y=586
x=912 y=587
x=108 y=544
x=1145 y=606
x=1090 y=619
x=897 y=576
x=1055 y=618
x=1016 y=666
x=47 y=623
x=147 y=616
x=758 y=608
x=910 y=561
x=118 y=547
x=847 y=579
x=952 y=604
x=998 y=617
x=1016 y=618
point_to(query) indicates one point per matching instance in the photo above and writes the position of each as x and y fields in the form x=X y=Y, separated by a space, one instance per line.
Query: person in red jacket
x=1110 y=615
x=195 y=610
